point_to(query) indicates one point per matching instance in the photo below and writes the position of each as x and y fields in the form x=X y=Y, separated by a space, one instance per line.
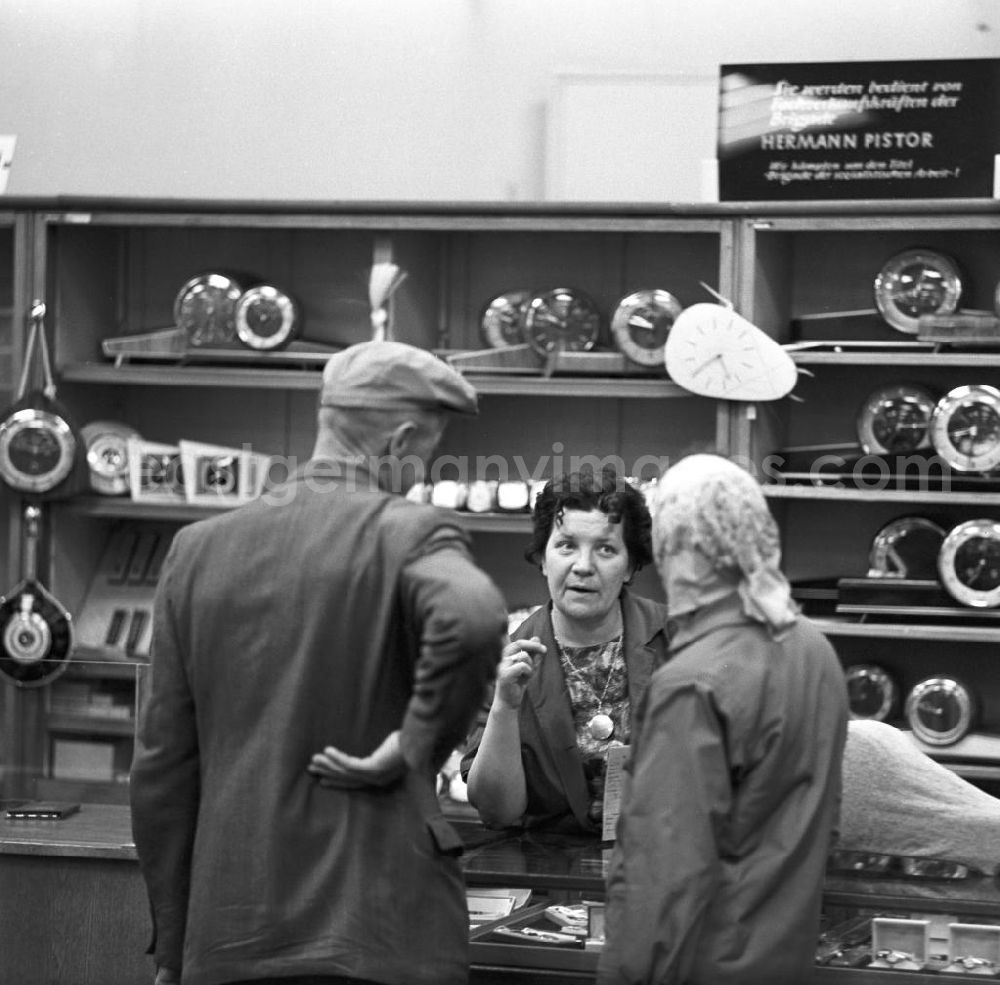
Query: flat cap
x=393 y=375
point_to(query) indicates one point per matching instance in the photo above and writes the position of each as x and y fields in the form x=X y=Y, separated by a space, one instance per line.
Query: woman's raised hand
x=518 y=661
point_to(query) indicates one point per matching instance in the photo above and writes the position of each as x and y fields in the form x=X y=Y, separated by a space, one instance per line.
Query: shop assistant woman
x=569 y=682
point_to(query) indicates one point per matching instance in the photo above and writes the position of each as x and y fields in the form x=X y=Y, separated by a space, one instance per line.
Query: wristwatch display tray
x=489 y=949
x=904 y=597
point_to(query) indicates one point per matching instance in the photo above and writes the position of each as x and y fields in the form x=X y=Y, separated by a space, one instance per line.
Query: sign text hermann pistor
x=858 y=130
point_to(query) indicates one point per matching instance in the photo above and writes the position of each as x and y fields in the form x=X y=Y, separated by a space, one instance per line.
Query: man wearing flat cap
x=316 y=656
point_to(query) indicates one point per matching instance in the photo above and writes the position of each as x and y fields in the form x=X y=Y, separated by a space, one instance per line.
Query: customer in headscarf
x=731 y=795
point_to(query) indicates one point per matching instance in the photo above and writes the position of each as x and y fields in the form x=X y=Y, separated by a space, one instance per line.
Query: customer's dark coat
x=729 y=805
x=332 y=617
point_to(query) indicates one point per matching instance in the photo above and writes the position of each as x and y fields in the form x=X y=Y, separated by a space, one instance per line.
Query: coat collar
x=685 y=630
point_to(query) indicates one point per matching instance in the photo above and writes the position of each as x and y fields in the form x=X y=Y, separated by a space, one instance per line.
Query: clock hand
x=639 y=322
x=708 y=362
x=973 y=574
x=962 y=432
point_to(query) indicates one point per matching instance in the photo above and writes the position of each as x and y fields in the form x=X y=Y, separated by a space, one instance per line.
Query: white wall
x=387 y=99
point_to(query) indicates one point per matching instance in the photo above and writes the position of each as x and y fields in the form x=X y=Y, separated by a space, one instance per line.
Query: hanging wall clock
x=36 y=632
x=39 y=448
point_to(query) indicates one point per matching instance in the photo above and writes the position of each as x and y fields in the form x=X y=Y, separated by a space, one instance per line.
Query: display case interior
x=76 y=732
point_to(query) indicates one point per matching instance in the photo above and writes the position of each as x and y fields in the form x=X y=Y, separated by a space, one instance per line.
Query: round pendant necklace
x=601 y=725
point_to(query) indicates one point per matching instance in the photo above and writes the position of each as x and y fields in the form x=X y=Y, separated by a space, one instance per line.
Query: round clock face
x=502 y=322
x=641 y=323
x=871 y=692
x=36 y=450
x=107 y=455
x=907 y=547
x=714 y=352
x=914 y=283
x=965 y=428
x=939 y=710
x=36 y=637
x=969 y=563
x=561 y=319
x=894 y=419
x=266 y=318
x=205 y=308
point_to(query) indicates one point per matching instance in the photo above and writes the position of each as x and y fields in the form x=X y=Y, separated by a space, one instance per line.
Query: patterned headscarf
x=714 y=534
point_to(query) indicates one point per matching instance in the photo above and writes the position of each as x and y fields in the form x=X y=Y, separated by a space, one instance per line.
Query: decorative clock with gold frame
x=917 y=282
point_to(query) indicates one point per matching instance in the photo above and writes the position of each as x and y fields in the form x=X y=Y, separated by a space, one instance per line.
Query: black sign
x=859 y=130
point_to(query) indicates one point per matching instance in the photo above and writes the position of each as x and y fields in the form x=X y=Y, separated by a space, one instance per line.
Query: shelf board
x=924 y=357
x=828 y=493
x=91 y=725
x=119 y=507
x=948 y=633
x=269 y=378
x=144 y=374
x=576 y=386
x=90 y=664
x=495 y=523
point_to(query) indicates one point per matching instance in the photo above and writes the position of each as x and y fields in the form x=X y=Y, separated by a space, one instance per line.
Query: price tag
x=617 y=755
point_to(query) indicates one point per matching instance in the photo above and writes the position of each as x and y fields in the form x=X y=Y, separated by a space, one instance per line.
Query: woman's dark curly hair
x=586 y=490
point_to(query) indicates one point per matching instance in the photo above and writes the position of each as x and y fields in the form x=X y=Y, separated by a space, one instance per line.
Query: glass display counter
x=875 y=930
x=535 y=906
